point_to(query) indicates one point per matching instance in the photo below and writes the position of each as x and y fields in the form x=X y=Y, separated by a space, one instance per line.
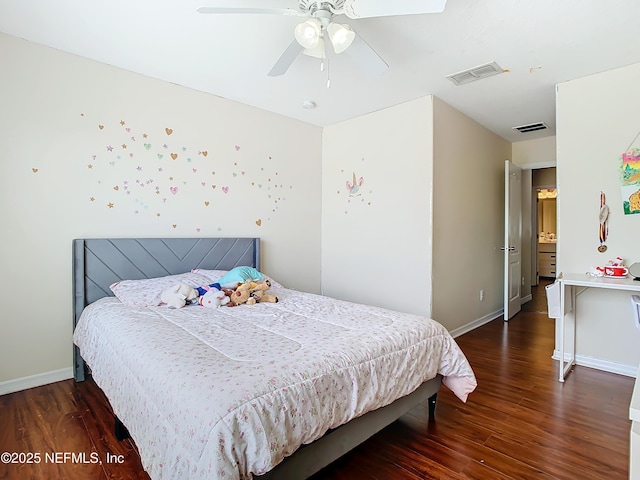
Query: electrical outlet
x=481 y=295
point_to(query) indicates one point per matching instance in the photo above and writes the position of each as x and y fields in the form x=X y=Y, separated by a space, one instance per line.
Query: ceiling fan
x=311 y=34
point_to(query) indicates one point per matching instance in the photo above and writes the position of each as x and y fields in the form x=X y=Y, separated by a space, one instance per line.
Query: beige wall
x=468 y=219
x=377 y=241
x=60 y=181
x=544 y=177
x=597 y=122
x=417 y=219
x=533 y=154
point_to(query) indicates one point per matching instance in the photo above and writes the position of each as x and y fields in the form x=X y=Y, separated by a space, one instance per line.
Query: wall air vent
x=532 y=127
x=476 y=73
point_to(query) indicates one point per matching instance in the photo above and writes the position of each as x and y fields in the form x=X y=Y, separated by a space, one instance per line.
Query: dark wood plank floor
x=520 y=423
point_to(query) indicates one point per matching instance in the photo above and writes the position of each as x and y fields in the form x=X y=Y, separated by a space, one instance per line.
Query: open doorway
x=545 y=232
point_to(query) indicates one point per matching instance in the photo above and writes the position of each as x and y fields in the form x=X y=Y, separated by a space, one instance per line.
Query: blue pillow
x=240 y=275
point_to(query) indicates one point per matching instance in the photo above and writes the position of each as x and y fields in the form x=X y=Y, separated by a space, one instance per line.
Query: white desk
x=570 y=285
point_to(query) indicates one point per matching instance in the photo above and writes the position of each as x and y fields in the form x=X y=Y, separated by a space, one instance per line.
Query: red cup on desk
x=615 y=271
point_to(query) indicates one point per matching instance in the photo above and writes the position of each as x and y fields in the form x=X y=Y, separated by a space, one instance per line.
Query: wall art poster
x=630 y=180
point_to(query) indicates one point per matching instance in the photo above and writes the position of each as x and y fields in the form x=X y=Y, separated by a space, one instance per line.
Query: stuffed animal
x=251 y=293
x=213 y=298
x=178 y=295
x=205 y=288
x=258 y=296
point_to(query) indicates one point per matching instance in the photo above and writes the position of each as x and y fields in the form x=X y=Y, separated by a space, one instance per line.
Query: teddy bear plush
x=251 y=293
x=178 y=295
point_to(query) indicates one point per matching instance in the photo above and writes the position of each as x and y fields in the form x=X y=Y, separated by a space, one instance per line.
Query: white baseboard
x=476 y=323
x=11 y=386
x=486 y=319
x=599 y=364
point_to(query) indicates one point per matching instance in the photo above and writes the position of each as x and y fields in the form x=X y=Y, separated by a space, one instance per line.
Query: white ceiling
x=540 y=43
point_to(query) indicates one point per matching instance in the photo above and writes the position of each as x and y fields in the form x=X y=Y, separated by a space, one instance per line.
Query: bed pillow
x=146 y=292
x=212 y=275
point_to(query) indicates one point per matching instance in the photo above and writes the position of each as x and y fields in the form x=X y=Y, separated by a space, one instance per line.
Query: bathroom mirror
x=634 y=270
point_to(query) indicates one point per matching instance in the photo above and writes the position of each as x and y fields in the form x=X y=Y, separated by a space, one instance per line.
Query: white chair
x=635 y=302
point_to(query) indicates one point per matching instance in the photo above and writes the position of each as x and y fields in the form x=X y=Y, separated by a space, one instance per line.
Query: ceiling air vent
x=476 y=73
x=532 y=127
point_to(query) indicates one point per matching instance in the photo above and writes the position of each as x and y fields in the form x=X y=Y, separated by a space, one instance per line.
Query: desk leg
x=561 y=333
x=562 y=325
x=572 y=327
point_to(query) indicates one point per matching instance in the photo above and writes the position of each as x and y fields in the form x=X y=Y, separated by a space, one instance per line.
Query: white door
x=512 y=238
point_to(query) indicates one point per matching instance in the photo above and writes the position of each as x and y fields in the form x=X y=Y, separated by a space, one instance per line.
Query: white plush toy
x=213 y=298
x=179 y=295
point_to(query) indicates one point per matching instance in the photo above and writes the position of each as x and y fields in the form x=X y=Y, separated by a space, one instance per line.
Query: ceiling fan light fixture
x=341 y=36
x=317 y=51
x=308 y=33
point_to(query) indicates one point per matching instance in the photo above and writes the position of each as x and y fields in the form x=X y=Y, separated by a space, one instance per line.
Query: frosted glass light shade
x=341 y=36
x=308 y=33
x=317 y=51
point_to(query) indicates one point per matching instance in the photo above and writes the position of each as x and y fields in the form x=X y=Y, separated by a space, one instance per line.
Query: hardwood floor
x=520 y=423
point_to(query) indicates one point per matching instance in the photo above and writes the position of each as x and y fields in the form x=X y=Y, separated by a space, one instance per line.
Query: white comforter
x=230 y=392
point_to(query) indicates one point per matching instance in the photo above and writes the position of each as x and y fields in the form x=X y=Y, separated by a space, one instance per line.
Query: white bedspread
x=227 y=393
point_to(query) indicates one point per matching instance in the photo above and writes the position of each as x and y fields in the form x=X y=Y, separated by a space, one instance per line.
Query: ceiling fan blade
x=382 y=8
x=366 y=57
x=228 y=10
x=286 y=59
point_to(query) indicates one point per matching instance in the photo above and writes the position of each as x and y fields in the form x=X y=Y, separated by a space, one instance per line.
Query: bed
x=272 y=390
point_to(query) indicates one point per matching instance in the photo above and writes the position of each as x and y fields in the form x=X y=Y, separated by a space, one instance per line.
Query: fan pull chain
x=328 y=74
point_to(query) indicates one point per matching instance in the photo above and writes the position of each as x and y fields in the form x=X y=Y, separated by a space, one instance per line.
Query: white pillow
x=212 y=275
x=146 y=292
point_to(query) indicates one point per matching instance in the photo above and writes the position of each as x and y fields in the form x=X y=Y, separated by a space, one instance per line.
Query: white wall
x=60 y=181
x=597 y=120
x=468 y=219
x=378 y=240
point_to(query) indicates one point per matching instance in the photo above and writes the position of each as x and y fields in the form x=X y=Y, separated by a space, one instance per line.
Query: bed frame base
x=311 y=458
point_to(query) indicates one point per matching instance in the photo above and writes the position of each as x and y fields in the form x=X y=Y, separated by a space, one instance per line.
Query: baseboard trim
x=24 y=383
x=486 y=319
x=476 y=323
x=599 y=364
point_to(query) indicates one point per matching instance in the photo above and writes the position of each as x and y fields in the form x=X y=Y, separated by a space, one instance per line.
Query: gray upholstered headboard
x=99 y=262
